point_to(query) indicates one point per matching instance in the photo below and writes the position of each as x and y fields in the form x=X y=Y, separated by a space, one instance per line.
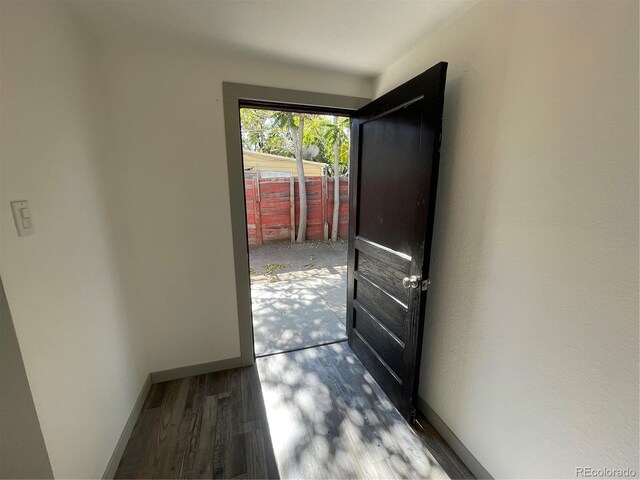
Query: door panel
x=395 y=142
x=387 y=276
x=385 y=308
x=391 y=136
x=381 y=339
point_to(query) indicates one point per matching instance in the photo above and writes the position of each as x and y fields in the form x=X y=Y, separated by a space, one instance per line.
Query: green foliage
x=338 y=132
x=267 y=131
x=260 y=133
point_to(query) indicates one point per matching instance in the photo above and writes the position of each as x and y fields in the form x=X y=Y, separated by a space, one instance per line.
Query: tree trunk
x=336 y=185
x=297 y=140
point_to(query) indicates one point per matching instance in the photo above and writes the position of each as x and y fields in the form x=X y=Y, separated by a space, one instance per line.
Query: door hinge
x=425 y=284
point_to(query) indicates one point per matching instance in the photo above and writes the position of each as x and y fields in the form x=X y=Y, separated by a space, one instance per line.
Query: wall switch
x=22 y=217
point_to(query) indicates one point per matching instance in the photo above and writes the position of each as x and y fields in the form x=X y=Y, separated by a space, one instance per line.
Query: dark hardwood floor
x=314 y=413
x=206 y=426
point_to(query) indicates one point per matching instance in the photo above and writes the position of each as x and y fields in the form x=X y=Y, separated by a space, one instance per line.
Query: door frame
x=235 y=96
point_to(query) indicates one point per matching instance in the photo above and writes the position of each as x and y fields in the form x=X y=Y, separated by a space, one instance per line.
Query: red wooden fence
x=272 y=203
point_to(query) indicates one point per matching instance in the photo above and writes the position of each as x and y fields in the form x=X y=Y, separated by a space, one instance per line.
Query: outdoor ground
x=298 y=294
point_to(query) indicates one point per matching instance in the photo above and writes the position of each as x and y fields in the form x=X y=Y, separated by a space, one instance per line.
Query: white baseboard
x=199 y=369
x=454 y=442
x=112 y=466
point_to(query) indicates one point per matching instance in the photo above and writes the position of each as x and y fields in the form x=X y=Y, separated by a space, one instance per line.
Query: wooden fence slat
x=257 y=211
x=325 y=224
x=272 y=207
x=292 y=208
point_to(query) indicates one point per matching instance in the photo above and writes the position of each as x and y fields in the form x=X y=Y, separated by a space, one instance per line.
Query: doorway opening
x=296 y=188
x=323 y=390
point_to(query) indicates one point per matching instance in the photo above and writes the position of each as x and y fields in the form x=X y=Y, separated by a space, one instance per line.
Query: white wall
x=64 y=283
x=166 y=107
x=23 y=453
x=531 y=343
x=531 y=352
x=120 y=151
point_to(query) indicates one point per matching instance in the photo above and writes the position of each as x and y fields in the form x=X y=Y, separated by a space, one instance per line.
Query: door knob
x=411 y=282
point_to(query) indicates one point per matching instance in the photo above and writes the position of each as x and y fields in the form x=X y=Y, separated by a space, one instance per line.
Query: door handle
x=411 y=282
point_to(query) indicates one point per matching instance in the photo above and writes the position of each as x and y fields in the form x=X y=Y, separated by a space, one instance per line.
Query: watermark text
x=593 y=472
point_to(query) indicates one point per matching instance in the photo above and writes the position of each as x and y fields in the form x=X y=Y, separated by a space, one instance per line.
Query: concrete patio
x=299 y=303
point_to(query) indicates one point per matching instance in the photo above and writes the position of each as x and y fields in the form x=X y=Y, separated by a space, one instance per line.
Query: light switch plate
x=22 y=217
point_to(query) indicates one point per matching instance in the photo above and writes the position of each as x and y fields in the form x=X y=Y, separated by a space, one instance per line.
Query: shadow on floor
x=297 y=304
x=298 y=313
x=315 y=413
x=328 y=418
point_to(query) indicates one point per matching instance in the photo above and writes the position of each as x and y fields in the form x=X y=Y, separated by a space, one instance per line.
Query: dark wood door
x=395 y=150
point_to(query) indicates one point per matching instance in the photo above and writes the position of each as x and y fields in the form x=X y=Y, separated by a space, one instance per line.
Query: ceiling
x=361 y=37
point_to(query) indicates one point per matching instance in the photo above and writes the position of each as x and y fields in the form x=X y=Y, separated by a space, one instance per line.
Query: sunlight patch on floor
x=291 y=314
x=329 y=419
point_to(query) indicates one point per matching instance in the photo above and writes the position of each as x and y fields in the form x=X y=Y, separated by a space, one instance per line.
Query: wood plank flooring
x=314 y=413
x=205 y=426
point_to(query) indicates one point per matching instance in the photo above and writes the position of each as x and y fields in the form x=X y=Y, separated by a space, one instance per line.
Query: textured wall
x=65 y=283
x=170 y=156
x=23 y=453
x=531 y=341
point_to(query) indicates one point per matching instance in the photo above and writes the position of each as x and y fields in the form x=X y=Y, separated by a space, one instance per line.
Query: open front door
x=394 y=171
